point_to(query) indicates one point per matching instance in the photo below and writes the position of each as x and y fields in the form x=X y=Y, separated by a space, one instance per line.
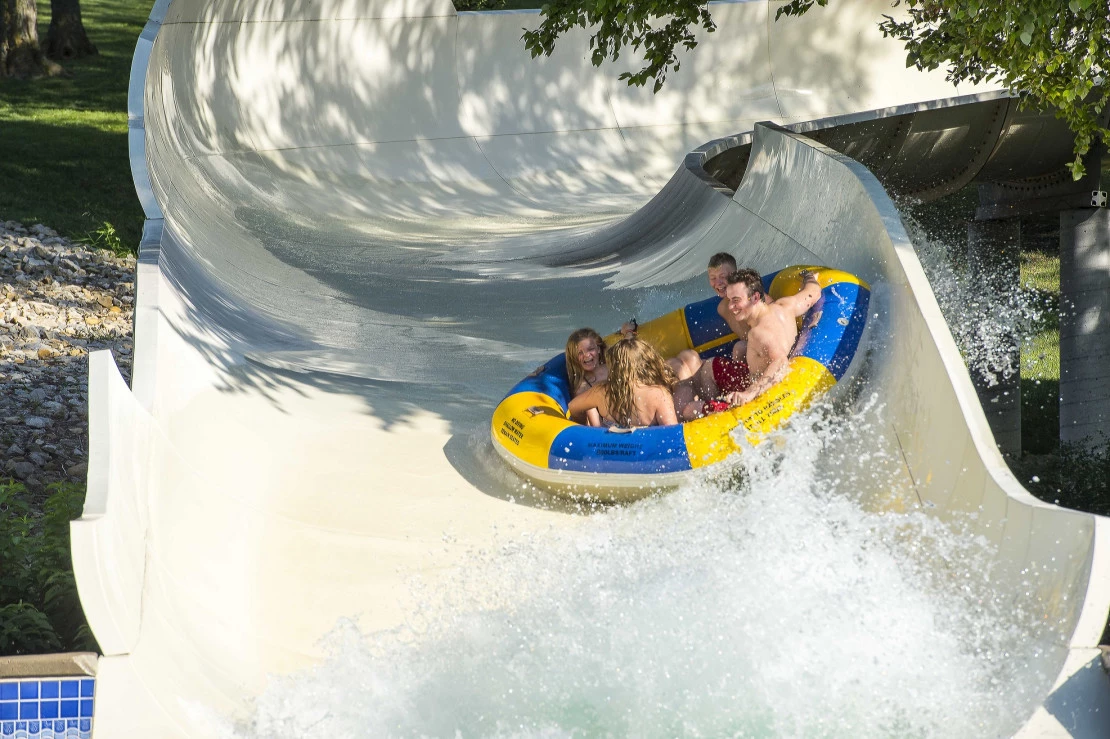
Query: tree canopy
x=1053 y=54
x=656 y=26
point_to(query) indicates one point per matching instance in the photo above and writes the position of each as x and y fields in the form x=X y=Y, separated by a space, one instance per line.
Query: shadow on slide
x=362 y=230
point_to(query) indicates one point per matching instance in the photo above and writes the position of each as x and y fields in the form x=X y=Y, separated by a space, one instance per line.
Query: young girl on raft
x=585 y=360
x=586 y=366
x=637 y=392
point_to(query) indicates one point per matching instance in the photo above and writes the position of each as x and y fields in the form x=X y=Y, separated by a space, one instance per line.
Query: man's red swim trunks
x=731 y=375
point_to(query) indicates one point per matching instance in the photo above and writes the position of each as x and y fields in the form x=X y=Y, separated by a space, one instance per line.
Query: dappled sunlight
x=507 y=92
x=728 y=72
x=380 y=216
x=343 y=149
x=834 y=58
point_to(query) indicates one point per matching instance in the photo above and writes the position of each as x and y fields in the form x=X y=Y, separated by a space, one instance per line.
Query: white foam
x=766 y=602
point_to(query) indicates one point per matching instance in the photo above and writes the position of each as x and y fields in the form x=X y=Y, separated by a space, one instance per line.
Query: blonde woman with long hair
x=638 y=391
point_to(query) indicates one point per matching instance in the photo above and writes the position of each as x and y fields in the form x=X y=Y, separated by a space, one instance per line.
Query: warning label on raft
x=614 y=448
x=771 y=410
x=513 y=430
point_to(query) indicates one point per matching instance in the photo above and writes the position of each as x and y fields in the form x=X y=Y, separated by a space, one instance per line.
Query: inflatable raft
x=532 y=433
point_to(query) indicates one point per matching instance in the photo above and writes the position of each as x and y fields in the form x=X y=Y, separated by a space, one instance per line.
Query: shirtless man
x=772 y=329
x=721 y=265
x=706 y=379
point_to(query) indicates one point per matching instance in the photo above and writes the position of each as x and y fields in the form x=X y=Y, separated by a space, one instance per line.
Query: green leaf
x=1077 y=168
x=26 y=630
x=1032 y=48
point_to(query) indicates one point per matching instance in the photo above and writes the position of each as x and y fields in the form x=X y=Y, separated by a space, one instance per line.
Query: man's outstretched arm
x=805 y=298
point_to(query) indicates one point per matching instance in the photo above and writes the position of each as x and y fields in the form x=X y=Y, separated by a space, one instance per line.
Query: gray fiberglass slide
x=368 y=218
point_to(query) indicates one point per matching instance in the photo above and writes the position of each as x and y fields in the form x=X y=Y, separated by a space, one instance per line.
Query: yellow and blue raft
x=532 y=433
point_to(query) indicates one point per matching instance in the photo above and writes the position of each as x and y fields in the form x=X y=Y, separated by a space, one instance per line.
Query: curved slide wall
x=353 y=210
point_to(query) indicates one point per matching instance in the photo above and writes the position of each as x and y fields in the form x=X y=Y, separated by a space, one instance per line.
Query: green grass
x=65 y=161
x=1040 y=271
x=1040 y=394
x=1072 y=475
x=1040 y=356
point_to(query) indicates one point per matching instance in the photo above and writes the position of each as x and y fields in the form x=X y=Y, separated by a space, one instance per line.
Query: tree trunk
x=66 y=38
x=20 y=53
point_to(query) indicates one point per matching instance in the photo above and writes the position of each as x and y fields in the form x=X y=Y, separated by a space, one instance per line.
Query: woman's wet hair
x=576 y=373
x=633 y=361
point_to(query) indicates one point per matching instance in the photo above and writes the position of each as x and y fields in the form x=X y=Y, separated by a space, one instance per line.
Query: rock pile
x=59 y=300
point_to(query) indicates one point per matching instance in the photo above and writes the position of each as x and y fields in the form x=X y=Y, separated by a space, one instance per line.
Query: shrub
x=106 y=238
x=25 y=629
x=39 y=608
x=1075 y=475
x=479 y=4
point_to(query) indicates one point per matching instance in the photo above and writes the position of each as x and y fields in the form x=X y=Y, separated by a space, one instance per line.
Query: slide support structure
x=1085 y=325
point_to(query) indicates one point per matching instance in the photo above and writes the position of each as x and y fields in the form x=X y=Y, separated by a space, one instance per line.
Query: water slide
x=366 y=221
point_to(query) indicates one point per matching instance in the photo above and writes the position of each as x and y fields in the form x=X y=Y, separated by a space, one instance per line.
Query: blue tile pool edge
x=47 y=707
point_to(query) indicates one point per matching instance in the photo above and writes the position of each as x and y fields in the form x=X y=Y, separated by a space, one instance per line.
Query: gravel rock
x=54 y=409
x=59 y=300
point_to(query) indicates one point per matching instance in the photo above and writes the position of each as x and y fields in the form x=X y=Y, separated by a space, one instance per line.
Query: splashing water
x=767 y=602
x=987 y=314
